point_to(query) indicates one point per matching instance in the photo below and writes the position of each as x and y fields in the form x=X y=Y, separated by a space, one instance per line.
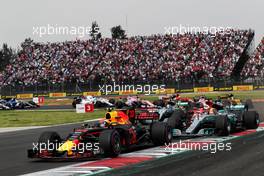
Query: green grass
x=44 y=118
x=58 y=101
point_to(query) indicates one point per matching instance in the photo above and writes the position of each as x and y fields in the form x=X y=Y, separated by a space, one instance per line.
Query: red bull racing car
x=119 y=131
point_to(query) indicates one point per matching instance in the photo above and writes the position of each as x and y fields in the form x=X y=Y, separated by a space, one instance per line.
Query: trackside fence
x=92 y=88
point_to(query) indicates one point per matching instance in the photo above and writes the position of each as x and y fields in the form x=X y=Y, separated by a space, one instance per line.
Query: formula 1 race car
x=3 y=105
x=134 y=102
x=12 y=103
x=229 y=100
x=202 y=121
x=98 y=102
x=108 y=139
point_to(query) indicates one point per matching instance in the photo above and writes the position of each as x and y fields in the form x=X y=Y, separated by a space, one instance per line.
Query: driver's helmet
x=116 y=118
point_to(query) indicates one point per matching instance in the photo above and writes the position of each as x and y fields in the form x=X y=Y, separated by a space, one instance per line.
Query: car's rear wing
x=147 y=116
x=237 y=107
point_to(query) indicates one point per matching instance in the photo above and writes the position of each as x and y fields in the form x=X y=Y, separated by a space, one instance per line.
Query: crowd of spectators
x=255 y=65
x=136 y=59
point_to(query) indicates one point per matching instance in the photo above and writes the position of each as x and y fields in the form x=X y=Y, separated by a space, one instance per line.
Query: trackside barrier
x=184 y=90
x=157 y=92
x=109 y=93
x=243 y=87
x=58 y=94
x=41 y=94
x=203 y=89
x=8 y=96
x=223 y=88
x=165 y=91
x=127 y=92
x=84 y=108
x=38 y=100
x=24 y=96
x=258 y=87
x=92 y=93
x=146 y=93
x=74 y=94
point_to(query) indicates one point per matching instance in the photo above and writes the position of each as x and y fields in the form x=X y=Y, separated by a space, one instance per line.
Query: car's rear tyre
x=49 y=140
x=74 y=104
x=109 y=141
x=222 y=126
x=174 y=121
x=161 y=133
x=76 y=101
x=251 y=119
x=99 y=104
x=21 y=106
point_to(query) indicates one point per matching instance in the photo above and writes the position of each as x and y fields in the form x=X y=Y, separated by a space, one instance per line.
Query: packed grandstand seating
x=255 y=65
x=136 y=59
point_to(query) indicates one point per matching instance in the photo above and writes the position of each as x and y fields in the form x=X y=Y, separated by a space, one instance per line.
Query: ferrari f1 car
x=120 y=130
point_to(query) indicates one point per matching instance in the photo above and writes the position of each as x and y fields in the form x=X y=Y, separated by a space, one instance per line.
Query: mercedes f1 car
x=208 y=120
x=120 y=130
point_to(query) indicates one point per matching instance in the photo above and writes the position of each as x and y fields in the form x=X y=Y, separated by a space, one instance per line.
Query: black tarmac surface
x=246 y=157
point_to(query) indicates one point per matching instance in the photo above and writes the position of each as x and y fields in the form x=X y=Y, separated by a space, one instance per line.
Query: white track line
x=12 y=129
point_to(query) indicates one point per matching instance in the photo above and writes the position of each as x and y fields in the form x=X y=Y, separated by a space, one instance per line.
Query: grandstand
x=254 y=66
x=184 y=58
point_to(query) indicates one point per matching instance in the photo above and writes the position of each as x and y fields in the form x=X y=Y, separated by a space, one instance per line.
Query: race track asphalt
x=246 y=158
x=58 y=107
x=13 y=150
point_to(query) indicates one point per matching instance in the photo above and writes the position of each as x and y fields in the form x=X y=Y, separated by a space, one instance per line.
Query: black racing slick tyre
x=174 y=121
x=110 y=143
x=99 y=104
x=161 y=133
x=222 y=126
x=251 y=119
x=74 y=104
x=50 y=140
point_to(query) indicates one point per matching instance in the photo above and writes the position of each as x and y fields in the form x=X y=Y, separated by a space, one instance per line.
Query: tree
x=118 y=32
x=95 y=31
x=7 y=54
x=27 y=43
